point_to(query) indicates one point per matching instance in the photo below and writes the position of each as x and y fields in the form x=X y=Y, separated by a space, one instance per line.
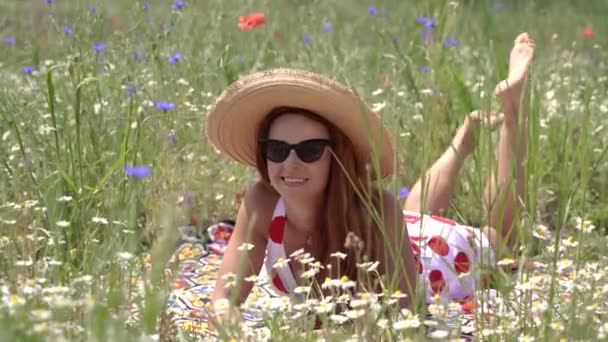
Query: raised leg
x=504 y=192
x=432 y=194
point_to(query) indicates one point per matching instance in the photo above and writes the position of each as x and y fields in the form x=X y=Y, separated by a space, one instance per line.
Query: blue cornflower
x=307 y=38
x=140 y=55
x=239 y=58
x=450 y=42
x=48 y=1
x=426 y=34
x=147 y=5
x=10 y=41
x=132 y=90
x=421 y=19
x=372 y=10
x=425 y=69
x=98 y=47
x=178 y=5
x=175 y=58
x=165 y=106
x=93 y=9
x=403 y=193
x=68 y=30
x=430 y=23
x=28 y=70
x=137 y=171
x=327 y=27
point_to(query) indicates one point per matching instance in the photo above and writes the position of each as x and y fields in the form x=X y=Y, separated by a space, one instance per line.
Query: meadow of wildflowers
x=102 y=156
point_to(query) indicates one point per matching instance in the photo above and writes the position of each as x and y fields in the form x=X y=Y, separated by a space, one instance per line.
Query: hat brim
x=233 y=121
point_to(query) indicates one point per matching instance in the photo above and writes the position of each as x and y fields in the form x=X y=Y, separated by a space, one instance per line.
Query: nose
x=292 y=158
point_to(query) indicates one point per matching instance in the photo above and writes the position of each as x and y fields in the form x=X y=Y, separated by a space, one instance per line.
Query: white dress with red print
x=281 y=278
x=448 y=256
x=446 y=253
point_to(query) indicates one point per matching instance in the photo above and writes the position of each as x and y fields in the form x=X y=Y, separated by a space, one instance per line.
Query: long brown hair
x=345 y=211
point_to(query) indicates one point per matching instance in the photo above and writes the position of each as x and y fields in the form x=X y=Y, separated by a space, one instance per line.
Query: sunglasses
x=308 y=151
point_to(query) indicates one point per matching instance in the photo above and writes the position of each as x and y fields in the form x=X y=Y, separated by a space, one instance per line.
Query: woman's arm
x=251 y=225
x=432 y=194
x=399 y=263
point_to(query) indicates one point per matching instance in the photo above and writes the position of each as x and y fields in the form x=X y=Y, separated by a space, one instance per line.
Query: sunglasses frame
x=296 y=147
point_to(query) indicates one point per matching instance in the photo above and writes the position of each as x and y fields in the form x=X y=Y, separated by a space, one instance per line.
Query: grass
x=73 y=225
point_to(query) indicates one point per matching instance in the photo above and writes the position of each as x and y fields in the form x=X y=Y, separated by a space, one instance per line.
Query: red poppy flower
x=587 y=32
x=247 y=22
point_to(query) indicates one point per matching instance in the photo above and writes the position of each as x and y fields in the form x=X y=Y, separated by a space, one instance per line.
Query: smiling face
x=294 y=178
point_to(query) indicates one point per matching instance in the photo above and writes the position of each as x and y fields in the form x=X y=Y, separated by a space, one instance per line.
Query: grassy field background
x=89 y=88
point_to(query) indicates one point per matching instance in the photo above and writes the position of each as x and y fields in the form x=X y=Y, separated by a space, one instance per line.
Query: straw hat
x=233 y=122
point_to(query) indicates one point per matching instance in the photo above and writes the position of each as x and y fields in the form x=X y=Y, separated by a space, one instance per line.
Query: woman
x=317 y=148
x=314 y=154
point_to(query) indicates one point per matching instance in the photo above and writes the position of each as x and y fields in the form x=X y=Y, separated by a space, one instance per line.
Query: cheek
x=324 y=166
x=273 y=170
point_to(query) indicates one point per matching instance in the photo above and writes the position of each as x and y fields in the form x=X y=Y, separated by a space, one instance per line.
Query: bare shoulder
x=260 y=197
x=259 y=203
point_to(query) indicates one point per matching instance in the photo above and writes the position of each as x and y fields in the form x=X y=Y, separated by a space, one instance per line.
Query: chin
x=299 y=193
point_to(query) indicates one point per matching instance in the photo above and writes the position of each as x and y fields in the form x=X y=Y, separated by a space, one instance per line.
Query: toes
x=522 y=37
x=493 y=120
x=490 y=120
x=474 y=116
x=531 y=42
x=501 y=86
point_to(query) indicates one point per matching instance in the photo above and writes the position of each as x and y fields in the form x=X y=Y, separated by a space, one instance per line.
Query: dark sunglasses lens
x=276 y=151
x=310 y=151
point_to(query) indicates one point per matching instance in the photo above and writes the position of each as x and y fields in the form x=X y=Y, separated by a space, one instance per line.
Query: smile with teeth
x=294 y=180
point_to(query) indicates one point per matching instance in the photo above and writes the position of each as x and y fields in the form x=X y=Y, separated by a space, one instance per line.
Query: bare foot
x=464 y=140
x=509 y=91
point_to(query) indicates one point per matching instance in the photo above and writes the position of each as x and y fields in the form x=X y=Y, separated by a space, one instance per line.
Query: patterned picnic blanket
x=198 y=260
